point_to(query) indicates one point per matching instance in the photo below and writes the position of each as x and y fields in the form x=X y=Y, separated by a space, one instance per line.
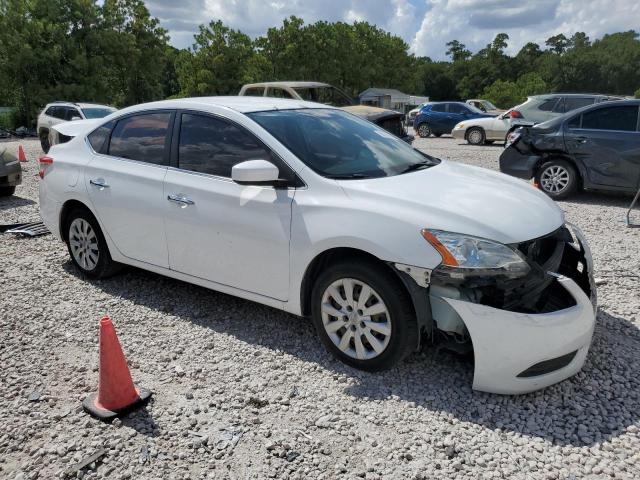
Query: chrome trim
x=179 y=198
x=100 y=183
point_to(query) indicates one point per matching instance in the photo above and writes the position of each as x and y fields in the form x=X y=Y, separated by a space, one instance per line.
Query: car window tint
x=212 y=145
x=547 y=105
x=99 y=138
x=254 y=92
x=141 y=137
x=439 y=107
x=70 y=113
x=574 y=122
x=50 y=111
x=611 y=118
x=457 y=108
x=572 y=103
x=278 y=93
x=559 y=106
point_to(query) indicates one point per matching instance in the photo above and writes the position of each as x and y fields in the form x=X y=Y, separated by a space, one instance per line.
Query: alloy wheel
x=356 y=318
x=554 y=179
x=475 y=137
x=83 y=242
x=424 y=130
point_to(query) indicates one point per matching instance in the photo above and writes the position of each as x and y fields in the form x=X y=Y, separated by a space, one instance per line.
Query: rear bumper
x=516 y=164
x=10 y=170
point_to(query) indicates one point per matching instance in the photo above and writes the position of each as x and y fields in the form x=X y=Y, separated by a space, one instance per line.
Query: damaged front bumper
x=525 y=348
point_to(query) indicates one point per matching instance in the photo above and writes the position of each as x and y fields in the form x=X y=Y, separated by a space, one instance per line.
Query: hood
x=371 y=113
x=77 y=127
x=464 y=199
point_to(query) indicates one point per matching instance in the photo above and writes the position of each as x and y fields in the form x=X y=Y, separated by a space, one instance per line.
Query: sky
x=426 y=25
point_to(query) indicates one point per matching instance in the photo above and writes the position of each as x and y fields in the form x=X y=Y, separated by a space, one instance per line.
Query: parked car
x=411 y=116
x=390 y=120
x=478 y=131
x=10 y=172
x=317 y=212
x=58 y=112
x=485 y=106
x=596 y=147
x=540 y=108
x=438 y=118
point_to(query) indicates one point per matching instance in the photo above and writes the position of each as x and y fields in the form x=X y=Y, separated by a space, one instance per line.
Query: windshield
x=336 y=144
x=328 y=95
x=473 y=108
x=97 y=112
x=488 y=105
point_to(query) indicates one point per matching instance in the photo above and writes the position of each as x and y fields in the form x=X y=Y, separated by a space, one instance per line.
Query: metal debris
x=85 y=462
x=34 y=229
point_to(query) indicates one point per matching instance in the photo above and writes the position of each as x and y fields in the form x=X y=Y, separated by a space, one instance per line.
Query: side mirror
x=75 y=118
x=255 y=172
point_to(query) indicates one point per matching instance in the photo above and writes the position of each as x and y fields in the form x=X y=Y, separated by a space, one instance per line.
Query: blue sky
x=426 y=25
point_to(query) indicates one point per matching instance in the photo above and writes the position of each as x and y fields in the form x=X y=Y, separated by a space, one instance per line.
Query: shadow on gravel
x=7 y=203
x=142 y=421
x=597 y=404
x=606 y=199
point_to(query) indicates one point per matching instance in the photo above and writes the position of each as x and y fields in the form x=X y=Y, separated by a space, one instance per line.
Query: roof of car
x=77 y=104
x=243 y=104
x=549 y=95
x=291 y=84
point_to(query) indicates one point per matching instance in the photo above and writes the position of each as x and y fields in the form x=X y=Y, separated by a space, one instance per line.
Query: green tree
x=457 y=51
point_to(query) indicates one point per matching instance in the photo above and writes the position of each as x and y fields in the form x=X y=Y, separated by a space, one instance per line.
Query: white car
x=314 y=211
x=478 y=131
x=58 y=112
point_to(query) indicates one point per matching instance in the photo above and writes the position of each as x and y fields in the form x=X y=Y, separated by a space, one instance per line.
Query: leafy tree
x=557 y=44
x=457 y=51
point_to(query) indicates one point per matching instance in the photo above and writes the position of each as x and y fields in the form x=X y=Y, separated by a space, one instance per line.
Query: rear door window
x=439 y=107
x=622 y=118
x=254 y=92
x=278 y=93
x=457 y=108
x=573 y=103
x=142 y=137
x=547 y=105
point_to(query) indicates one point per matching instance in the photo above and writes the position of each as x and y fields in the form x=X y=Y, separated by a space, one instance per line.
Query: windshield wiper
x=417 y=166
x=343 y=176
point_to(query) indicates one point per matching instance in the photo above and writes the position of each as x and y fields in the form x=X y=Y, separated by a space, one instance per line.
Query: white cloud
x=426 y=25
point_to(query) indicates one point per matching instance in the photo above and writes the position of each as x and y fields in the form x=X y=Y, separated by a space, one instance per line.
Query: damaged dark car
x=593 y=148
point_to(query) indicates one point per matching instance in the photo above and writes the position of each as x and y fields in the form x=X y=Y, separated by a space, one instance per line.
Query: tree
x=558 y=43
x=457 y=51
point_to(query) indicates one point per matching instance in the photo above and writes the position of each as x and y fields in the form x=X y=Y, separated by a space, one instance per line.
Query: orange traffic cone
x=21 y=156
x=116 y=394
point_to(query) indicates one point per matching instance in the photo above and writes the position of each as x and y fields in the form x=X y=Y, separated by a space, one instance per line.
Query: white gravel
x=245 y=391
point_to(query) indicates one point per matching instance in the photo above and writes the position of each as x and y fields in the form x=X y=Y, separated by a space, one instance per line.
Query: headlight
x=475 y=256
x=460 y=126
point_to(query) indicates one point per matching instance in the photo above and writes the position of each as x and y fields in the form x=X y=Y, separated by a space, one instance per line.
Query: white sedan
x=478 y=131
x=314 y=211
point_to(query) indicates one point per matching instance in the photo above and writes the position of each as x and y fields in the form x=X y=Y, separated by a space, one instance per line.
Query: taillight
x=515 y=114
x=45 y=161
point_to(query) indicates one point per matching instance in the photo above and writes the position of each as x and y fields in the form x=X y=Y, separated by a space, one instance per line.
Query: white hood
x=460 y=198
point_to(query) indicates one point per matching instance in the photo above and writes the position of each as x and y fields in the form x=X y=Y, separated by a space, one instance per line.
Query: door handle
x=100 y=183
x=582 y=139
x=181 y=199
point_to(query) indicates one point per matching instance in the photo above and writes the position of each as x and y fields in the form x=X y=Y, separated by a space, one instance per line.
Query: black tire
x=564 y=169
x=476 y=136
x=401 y=316
x=105 y=266
x=7 y=191
x=437 y=135
x=44 y=143
x=423 y=130
x=489 y=142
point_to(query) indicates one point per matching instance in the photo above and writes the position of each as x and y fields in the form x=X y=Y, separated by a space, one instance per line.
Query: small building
x=391 y=99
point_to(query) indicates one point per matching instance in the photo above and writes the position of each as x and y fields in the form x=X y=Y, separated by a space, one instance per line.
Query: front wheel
x=557 y=178
x=475 y=136
x=87 y=247
x=363 y=315
x=424 y=130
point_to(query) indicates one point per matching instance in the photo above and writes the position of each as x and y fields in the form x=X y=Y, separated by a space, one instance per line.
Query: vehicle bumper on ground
x=516 y=164
x=522 y=349
x=458 y=133
x=10 y=170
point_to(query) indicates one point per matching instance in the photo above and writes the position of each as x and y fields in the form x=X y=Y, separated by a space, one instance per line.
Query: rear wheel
x=87 y=247
x=363 y=315
x=424 y=130
x=557 y=178
x=7 y=191
x=475 y=136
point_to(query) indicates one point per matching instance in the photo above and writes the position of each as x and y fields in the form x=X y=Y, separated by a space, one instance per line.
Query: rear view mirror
x=255 y=172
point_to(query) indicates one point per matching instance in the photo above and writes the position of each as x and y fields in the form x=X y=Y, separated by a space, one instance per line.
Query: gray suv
x=540 y=108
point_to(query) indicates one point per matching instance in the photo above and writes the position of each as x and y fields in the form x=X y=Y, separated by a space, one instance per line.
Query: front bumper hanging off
x=518 y=352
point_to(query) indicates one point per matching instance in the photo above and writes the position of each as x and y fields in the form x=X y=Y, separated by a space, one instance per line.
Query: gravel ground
x=245 y=391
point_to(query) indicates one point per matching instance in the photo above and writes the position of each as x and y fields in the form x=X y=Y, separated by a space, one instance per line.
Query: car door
x=437 y=117
x=219 y=230
x=455 y=114
x=124 y=180
x=606 y=140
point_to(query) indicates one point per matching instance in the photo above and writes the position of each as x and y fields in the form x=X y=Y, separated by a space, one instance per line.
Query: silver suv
x=58 y=112
x=540 y=108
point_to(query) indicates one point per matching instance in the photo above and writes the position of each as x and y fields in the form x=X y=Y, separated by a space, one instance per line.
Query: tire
x=7 y=191
x=489 y=142
x=557 y=178
x=476 y=136
x=437 y=135
x=424 y=130
x=86 y=245
x=394 y=330
x=44 y=143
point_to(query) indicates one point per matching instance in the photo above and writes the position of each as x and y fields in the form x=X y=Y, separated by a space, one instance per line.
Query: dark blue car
x=438 y=118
